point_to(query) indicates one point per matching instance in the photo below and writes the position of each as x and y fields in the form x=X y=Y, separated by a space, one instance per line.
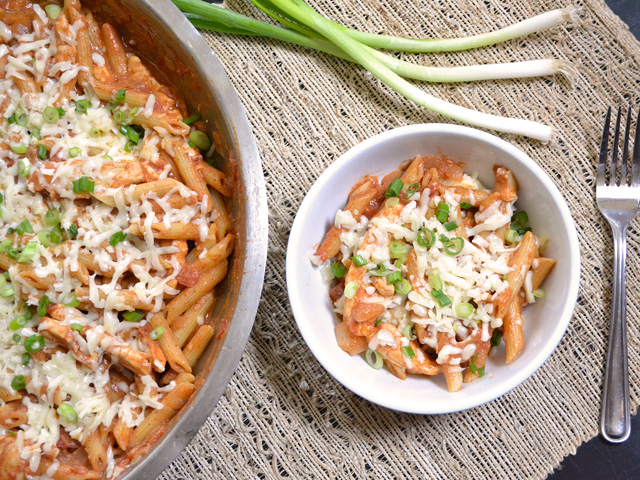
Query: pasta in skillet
x=114 y=233
x=431 y=270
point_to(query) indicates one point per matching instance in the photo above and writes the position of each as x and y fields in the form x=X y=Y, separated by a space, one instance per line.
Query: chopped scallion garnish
x=70 y=300
x=18 y=382
x=399 y=249
x=394 y=277
x=403 y=287
x=42 y=152
x=51 y=115
x=190 y=120
x=24 y=227
x=134 y=316
x=411 y=190
x=338 y=269
x=442 y=299
x=426 y=237
x=374 y=359
x=82 y=106
x=72 y=231
x=464 y=309
x=34 y=343
x=42 y=306
x=156 y=333
x=395 y=188
x=442 y=212
x=350 y=289
x=454 y=246
x=76 y=326
x=496 y=338
x=121 y=95
x=408 y=351
x=116 y=238
x=359 y=260
x=74 y=152
x=53 y=11
x=52 y=217
x=83 y=185
x=200 y=139
x=19 y=148
x=18 y=322
x=24 y=167
x=450 y=226
x=28 y=252
x=67 y=412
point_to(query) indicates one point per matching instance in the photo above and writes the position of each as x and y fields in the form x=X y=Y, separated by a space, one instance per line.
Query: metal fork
x=618 y=201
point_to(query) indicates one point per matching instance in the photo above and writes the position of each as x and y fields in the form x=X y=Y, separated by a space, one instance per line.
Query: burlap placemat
x=282 y=415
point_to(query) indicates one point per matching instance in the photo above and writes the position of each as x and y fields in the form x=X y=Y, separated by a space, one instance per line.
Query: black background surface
x=597 y=459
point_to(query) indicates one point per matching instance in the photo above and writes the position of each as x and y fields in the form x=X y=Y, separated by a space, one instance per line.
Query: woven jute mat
x=283 y=415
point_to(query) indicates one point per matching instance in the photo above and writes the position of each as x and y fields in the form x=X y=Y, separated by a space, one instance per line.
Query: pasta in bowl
x=429 y=268
x=117 y=237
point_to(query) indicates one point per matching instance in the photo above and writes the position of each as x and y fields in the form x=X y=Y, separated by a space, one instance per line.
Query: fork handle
x=615 y=422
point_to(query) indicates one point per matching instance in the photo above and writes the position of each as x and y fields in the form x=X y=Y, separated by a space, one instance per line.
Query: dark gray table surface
x=597 y=459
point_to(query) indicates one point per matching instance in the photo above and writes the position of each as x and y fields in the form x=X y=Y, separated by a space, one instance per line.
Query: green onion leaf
x=42 y=306
x=190 y=120
x=359 y=260
x=67 y=412
x=121 y=95
x=25 y=359
x=464 y=309
x=82 y=106
x=399 y=249
x=374 y=359
x=42 y=152
x=1 y=198
x=95 y=132
x=519 y=220
x=70 y=300
x=44 y=237
x=407 y=331
x=395 y=188
x=408 y=351
x=18 y=322
x=116 y=238
x=72 y=231
x=53 y=11
x=434 y=280
x=52 y=217
x=472 y=364
x=381 y=271
x=51 y=115
x=454 y=246
x=156 y=333
x=539 y=293
x=394 y=277
x=12 y=119
x=481 y=372
x=19 y=148
x=24 y=167
x=511 y=236
x=18 y=382
x=134 y=316
x=496 y=338
x=24 y=227
x=119 y=116
x=426 y=237
x=60 y=111
x=441 y=298
x=6 y=290
x=338 y=269
x=465 y=205
x=35 y=133
x=442 y=212
x=55 y=236
x=23 y=119
x=16 y=337
x=411 y=190
x=111 y=105
x=350 y=289
x=403 y=287
x=108 y=158
x=28 y=252
x=83 y=184
x=74 y=152
x=377 y=322
x=200 y=139
x=34 y=343
x=450 y=226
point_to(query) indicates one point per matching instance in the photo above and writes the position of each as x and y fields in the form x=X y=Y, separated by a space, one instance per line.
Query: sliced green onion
x=407 y=331
x=119 y=116
x=350 y=289
x=70 y=300
x=18 y=382
x=377 y=322
x=12 y=119
x=399 y=249
x=23 y=119
x=74 y=152
x=51 y=115
x=130 y=132
x=42 y=152
x=359 y=260
x=519 y=220
x=442 y=212
x=83 y=184
x=107 y=157
x=450 y=226
x=34 y=343
x=67 y=412
x=434 y=280
x=52 y=217
x=116 y=238
x=76 y=326
x=411 y=190
x=394 y=277
x=53 y=11
x=496 y=338
x=200 y=139
x=399 y=262
x=134 y=316
x=539 y=293
x=454 y=246
x=24 y=227
x=1 y=198
x=25 y=359
x=395 y=188
x=381 y=271
x=42 y=306
x=391 y=202
x=35 y=133
x=28 y=252
x=408 y=351
x=374 y=359
x=82 y=106
x=190 y=120
x=511 y=236
x=111 y=105
x=481 y=372
x=464 y=309
x=72 y=231
x=16 y=337
x=472 y=364
x=403 y=287
x=156 y=333
x=441 y=298
x=18 y=322
x=95 y=132
x=24 y=167
x=338 y=269
x=426 y=237
x=6 y=290
x=19 y=148
x=60 y=111
x=121 y=95
x=55 y=236
x=465 y=205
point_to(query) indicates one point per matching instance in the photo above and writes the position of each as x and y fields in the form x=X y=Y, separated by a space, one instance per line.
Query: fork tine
x=604 y=146
x=625 y=151
x=614 y=156
x=635 y=169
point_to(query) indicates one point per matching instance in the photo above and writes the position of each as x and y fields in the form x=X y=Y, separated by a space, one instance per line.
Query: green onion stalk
x=307 y=28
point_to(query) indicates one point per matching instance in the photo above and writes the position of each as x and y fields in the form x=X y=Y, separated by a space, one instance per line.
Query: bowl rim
x=295 y=251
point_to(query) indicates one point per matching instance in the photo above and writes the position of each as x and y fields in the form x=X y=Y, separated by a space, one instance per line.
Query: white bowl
x=545 y=321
